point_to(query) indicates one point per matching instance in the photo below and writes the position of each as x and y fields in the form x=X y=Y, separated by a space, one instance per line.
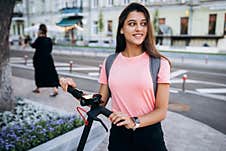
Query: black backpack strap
x=109 y=61
x=154 y=64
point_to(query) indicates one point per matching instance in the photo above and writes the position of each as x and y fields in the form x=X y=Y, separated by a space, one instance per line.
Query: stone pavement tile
x=63 y=101
x=103 y=145
x=186 y=134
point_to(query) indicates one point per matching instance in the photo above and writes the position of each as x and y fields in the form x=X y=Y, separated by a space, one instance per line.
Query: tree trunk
x=6 y=93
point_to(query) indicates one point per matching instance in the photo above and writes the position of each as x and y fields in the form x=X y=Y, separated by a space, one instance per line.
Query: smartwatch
x=137 y=123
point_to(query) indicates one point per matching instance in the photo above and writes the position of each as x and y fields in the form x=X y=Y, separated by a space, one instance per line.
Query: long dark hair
x=42 y=29
x=148 y=44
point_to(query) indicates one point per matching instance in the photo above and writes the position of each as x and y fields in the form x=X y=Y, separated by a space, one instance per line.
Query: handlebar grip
x=76 y=93
x=106 y=112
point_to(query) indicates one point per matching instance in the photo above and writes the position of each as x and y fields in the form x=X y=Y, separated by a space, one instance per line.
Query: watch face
x=137 y=123
x=136 y=120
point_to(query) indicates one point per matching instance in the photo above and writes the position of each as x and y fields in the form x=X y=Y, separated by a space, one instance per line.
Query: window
x=212 y=23
x=75 y=3
x=66 y=4
x=224 y=24
x=109 y=28
x=95 y=3
x=184 y=25
x=14 y=29
x=126 y=1
x=144 y=1
x=95 y=27
x=18 y=29
x=110 y=2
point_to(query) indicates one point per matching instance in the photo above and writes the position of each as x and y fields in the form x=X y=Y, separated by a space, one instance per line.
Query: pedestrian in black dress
x=45 y=72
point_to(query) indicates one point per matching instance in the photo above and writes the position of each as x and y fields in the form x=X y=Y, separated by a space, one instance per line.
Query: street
x=204 y=97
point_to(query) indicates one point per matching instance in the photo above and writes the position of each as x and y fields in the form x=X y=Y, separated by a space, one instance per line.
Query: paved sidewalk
x=181 y=133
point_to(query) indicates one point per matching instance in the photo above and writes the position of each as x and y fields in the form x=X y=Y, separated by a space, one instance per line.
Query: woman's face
x=134 y=28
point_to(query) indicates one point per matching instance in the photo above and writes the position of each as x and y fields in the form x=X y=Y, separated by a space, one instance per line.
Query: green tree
x=100 y=26
x=155 y=20
x=101 y=22
x=6 y=93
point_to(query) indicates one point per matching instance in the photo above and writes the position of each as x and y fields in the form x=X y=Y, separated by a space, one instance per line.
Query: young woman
x=137 y=113
x=45 y=72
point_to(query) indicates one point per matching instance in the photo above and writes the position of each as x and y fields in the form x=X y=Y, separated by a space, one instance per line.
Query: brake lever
x=94 y=113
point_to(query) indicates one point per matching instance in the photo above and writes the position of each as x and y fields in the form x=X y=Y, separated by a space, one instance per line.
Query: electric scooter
x=95 y=110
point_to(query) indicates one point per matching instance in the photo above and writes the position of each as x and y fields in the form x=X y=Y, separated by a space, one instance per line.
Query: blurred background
x=177 y=23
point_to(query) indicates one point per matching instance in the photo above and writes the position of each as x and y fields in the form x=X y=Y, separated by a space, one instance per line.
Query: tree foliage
x=101 y=22
x=155 y=20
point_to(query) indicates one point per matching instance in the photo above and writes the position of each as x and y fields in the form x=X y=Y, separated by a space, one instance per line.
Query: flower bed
x=30 y=126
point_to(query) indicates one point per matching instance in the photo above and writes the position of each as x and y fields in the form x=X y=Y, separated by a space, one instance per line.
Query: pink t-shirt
x=131 y=84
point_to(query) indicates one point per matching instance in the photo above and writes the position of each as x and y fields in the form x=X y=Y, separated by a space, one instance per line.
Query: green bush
x=19 y=135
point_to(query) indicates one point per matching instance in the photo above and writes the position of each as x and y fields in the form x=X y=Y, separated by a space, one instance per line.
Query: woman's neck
x=132 y=51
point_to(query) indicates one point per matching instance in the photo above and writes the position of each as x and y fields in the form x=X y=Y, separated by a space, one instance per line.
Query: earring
x=121 y=32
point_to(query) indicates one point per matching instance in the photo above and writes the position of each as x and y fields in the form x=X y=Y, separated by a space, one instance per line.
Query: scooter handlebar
x=106 y=112
x=79 y=95
x=76 y=93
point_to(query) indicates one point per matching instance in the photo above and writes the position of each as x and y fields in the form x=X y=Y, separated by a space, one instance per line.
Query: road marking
x=208 y=73
x=19 y=61
x=82 y=76
x=79 y=68
x=216 y=90
x=93 y=73
x=214 y=96
x=77 y=75
x=176 y=81
x=177 y=73
x=173 y=91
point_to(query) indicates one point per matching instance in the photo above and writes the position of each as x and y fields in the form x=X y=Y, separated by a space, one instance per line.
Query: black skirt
x=148 y=138
x=45 y=72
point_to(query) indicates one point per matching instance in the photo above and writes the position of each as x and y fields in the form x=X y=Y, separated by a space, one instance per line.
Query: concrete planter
x=69 y=141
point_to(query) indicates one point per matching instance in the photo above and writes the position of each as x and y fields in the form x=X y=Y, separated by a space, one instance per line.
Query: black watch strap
x=137 y=122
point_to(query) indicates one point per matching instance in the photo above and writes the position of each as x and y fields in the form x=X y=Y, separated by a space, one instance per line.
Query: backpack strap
x=108 y=64
x=154 y=64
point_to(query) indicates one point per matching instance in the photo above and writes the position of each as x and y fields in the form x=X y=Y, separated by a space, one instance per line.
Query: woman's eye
x=132 y=24
x=143 y=24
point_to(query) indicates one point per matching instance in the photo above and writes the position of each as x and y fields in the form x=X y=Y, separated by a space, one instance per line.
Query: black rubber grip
x=76 y=93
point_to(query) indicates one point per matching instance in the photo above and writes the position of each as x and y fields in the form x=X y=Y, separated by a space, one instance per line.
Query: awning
x=50 y=28
x=71 y=10
x=65 y=22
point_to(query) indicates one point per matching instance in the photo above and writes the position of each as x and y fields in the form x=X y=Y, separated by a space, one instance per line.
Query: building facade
x=176 y=22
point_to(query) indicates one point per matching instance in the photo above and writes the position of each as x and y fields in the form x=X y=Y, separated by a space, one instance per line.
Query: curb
x=69 y=141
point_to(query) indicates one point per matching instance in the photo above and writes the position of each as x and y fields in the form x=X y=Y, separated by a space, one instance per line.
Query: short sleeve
x=103 y=76
x=164 y=71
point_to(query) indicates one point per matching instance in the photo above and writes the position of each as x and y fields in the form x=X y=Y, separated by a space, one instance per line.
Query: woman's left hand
x=121 y=119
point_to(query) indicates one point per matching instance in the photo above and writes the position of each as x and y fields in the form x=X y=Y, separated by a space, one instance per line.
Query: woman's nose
x=138 y=27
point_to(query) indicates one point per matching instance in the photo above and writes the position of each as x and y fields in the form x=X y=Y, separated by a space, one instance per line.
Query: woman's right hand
x=64 y=82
